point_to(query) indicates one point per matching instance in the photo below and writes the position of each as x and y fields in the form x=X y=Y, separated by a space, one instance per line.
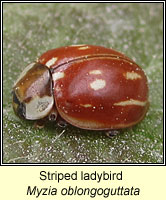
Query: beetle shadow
x=68 y=129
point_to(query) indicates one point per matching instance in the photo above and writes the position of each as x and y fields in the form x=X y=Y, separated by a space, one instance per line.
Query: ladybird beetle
x=90 y=87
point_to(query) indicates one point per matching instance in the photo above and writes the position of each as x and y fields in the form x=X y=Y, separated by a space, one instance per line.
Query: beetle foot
x=39 y=124
x=112 y=133
x=62 y=123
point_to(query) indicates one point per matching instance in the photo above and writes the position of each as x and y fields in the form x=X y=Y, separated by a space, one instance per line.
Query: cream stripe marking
x=132 y=76
x=58 y=75
x=86 y=105
x=131 y=102
x=51 y=61
x=83 y=48
x=95 y=72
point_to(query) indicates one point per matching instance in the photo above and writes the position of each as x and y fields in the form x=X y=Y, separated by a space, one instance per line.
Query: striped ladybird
x=90 y=87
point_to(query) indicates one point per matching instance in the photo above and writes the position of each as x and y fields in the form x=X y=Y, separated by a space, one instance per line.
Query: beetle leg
x=53 y=115
x=61 y=122
x=112 y=133
x=39 y=123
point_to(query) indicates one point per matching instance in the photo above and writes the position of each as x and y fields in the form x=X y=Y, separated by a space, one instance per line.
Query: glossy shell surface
x=96 y=87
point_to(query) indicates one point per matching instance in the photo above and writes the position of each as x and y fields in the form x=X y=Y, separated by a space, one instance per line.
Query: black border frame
x=85 y=164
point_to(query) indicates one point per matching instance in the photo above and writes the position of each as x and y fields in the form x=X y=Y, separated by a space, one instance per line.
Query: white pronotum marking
x=130 y=103
x=98 y=84
x=132 y=76
x=51 y=62
x=95 y=72
x=39 y=107
x=57 y=75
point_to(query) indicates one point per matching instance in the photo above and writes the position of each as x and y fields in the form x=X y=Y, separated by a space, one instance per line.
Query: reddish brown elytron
x=96 y=87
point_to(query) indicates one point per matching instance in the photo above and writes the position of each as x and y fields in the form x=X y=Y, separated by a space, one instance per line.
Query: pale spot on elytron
x=58 y=75
x=95 y=72
x=130 y=103
x=98 y=84
x=83 y=48
x=51 y=61
x=132 y=75
x=86 y=105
